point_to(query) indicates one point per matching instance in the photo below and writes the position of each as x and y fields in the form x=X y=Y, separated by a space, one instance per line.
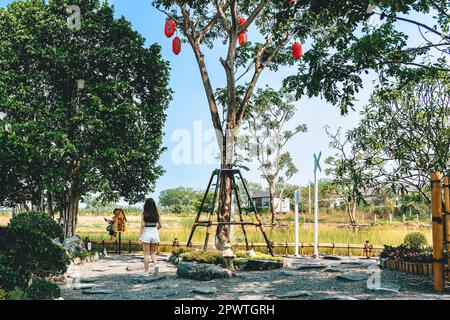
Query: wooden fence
x=283 y=248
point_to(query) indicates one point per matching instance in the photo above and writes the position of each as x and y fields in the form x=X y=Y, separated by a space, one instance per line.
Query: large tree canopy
x=405 y=131
x=70 y=139
x=345 y=46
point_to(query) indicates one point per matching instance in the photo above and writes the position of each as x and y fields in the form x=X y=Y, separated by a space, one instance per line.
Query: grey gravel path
x=109 y=279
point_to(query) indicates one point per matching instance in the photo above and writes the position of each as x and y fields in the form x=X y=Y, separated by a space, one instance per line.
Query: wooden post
x=438 y=232
x=447 y=218
x=390 y=217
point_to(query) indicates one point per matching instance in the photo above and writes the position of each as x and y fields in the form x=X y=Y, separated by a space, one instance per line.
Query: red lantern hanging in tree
x=297 y=50
x=292 y=2
x=170 y=28
x=242 y=38
x=176 y=45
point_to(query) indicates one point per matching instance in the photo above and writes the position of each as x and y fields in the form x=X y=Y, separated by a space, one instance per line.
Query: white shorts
x=150 y=235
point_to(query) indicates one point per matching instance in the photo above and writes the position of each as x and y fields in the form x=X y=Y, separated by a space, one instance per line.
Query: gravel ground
x=299 y=280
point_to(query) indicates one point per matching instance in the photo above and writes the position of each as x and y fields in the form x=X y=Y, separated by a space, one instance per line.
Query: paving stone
x=89 y=280
x=149 y=279
x=134 y=267
x=351 y=277
x=205 y=290
x=293 y=294
x=164 y=293
x=332 y=257
x=98 y=291
x=307 y=266
x=83 y=286
x=340 y=298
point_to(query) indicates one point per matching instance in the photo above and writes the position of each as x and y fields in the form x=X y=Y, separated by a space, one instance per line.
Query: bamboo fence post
x=438 y=232
x=447 y=219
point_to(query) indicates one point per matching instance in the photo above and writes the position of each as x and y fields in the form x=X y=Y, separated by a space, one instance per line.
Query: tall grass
x=180 y=227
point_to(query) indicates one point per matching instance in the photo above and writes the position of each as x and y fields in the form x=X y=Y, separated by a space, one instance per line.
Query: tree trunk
x=273 y=205
x=225 y=195
x=351 y=208
x=50 y=211
x=70 y=216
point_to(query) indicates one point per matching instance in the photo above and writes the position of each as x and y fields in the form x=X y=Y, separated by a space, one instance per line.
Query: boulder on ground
x=74 y=245
x=259 y=265
x=202 y=271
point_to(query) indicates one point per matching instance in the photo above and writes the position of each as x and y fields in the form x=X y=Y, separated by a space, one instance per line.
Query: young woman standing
x=150 y=224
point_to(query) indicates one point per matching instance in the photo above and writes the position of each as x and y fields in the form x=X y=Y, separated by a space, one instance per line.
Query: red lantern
x=292 y=2
x=242 y=38
x=170 y=28
x=176 y=45
x=297 y=50
x=241 y=22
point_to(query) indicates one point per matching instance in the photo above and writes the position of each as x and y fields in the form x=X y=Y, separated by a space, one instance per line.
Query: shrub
x=42 y=290
x=179 y=251
x=257 y=256
x=415 y=240
x=27 y=249
x=3 y=294
x=37 y=222
x=16 y=294
x=211 y=257
x=240 y=262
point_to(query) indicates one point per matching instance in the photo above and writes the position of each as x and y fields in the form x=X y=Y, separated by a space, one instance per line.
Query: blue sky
x=189 y=103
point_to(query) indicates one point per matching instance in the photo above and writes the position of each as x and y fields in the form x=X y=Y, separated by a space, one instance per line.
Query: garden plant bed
x=420 y=268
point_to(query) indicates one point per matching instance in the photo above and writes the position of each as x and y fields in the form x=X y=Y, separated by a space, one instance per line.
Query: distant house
x=262 y=199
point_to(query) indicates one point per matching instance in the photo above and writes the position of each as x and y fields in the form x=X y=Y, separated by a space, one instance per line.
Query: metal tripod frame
x=218 y=176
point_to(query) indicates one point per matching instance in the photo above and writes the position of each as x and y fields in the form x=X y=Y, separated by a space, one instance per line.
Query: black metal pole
x=120 y=242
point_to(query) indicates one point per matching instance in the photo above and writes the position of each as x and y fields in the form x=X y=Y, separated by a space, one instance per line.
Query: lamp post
x=316 y=204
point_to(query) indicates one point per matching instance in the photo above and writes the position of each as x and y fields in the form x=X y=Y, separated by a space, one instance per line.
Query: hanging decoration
x=170 y=28
x=242 y=38
x=176 y=45
x=297 y=50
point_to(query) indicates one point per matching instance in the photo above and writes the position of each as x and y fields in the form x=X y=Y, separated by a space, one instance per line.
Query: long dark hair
x=151 y=214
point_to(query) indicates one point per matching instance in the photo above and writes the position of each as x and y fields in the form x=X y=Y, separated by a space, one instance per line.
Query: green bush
x=42 y=290
x=257 y=256
x=415 y=240
x=179 y=251
x=240 y=261
x=27 y=249
x=211 y=257
x=16 y=294
x=37 y=222
x=3 y=294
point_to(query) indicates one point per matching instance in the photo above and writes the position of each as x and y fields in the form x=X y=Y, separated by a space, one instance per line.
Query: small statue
x=228 y=256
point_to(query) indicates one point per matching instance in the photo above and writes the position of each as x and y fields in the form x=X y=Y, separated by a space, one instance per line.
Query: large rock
x=74 y=245
x=202 y=271
x=258 y=265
